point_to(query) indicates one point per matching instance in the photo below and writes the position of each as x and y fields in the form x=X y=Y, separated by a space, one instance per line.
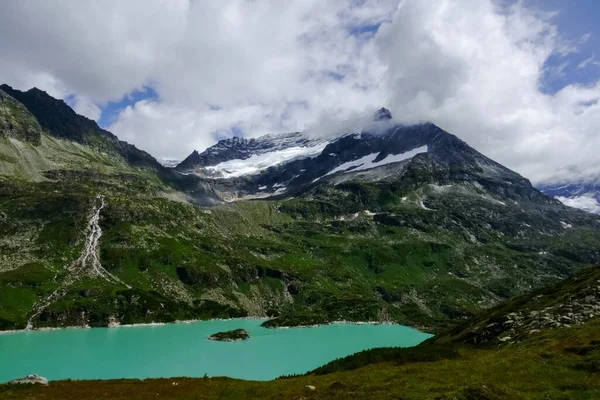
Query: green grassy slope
x=257 y=258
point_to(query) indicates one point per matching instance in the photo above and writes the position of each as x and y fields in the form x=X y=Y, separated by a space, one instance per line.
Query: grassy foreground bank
x=555 y=364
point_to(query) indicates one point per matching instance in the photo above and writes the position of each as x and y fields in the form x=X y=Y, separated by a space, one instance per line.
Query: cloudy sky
x=518 y=80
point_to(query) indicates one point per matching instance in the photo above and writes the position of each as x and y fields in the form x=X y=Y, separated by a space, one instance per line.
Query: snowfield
x=258 y=162
x=585 y=202
x=368 y=161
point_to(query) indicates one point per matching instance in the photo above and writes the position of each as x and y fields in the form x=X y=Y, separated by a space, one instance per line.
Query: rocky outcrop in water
x=235 y=335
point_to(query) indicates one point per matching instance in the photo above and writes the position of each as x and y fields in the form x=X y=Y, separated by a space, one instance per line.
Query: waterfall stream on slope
x=88 y=264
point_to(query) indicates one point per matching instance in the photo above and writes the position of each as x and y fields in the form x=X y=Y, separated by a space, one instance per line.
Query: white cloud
x=162 y=128
x=576 y=171
x=269 y=67
x=26 y=79
x=100 y=50
x=475 y=69
x=591 y=60
x=586 y=37
x=84 y=106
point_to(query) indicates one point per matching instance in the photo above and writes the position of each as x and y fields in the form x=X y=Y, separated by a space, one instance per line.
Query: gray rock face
x=30 y=379
x=23 y=115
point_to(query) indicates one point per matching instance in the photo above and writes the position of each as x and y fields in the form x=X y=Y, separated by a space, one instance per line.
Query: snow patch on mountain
x=368 y=161
x=258 y=162
x=585 y=202
x=584 y=194
x=577 y=187
x=566 y=225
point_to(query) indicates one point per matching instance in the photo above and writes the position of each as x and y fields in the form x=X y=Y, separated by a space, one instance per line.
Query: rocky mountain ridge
x=60 y=121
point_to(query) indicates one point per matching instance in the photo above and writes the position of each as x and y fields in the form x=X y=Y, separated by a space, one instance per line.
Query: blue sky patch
x=112 y=109
x=360 y=30
x=577 y=23
x=70 y=100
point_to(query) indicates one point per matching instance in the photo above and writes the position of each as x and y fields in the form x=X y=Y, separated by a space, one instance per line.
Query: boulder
x=30 y=379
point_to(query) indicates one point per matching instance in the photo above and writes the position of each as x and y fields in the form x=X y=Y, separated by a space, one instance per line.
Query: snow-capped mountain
x=235 y=157
x=380 y=150
x=576 y=186
x=583 y=194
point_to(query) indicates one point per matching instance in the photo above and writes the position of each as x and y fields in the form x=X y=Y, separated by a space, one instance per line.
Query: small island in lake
x=230 y=336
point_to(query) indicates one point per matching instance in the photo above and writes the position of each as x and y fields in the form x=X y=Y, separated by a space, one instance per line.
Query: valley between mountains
x=393 y=223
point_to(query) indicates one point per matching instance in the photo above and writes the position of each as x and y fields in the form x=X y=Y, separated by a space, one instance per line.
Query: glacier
x=258 y=162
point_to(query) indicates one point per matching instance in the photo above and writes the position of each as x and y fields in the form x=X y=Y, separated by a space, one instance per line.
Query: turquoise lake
x=184 y=350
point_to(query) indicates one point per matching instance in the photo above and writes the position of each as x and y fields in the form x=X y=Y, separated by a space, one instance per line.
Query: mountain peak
x=59 y=120
x=56 y=116
x=382 y=114
x=37 y=90
x=16 y=121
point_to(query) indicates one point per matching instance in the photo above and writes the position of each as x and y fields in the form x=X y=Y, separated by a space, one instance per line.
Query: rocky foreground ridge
x=571 y=302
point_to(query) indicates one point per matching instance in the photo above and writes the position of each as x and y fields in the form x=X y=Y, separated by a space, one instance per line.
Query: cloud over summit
x=475 y=67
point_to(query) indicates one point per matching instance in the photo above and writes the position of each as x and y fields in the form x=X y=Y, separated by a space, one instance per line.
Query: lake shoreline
x=114 y=326
x=184 y=349
x=191 y=321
